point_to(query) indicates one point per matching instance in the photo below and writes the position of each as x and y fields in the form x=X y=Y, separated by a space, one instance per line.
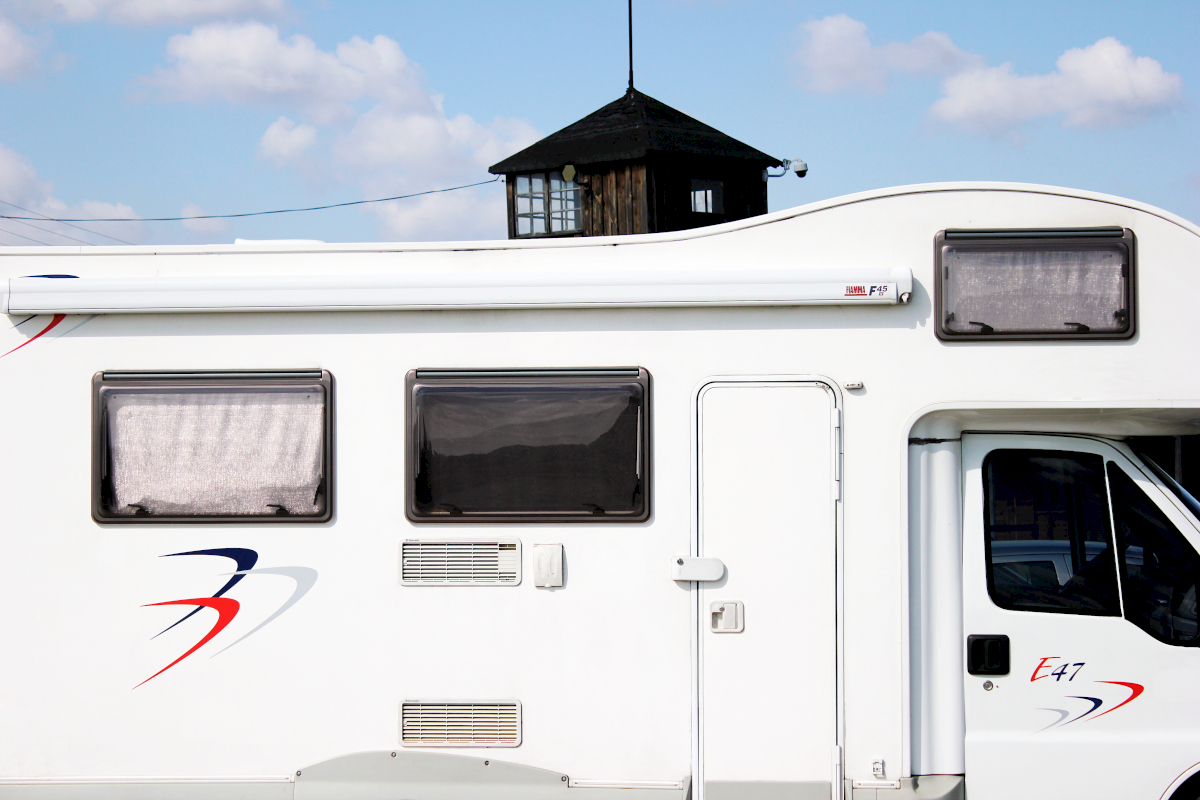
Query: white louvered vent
x=428 y=562
x=460 y=723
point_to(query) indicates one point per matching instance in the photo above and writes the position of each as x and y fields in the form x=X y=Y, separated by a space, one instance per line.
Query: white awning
x=449 y=291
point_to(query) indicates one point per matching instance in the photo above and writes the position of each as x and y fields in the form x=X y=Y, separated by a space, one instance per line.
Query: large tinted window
x=1047 y=532
x=1159 y=569
x=567 y=445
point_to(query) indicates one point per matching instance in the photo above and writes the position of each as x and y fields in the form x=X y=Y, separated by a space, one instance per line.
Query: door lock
x=690 y=568
x=727 y=617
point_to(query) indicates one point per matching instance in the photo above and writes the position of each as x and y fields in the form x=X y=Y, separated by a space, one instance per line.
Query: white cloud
x=18 y=179
x=931 y=53
x=204 y=227
x=836 y=54
x=427 y=147
x=453 y=216
x=18 y=56
x=1100 y=86
x=285 y=140
x=249 y=64
x=370 y=122
x=147 y=12
x=395 y=153
x=20 y=186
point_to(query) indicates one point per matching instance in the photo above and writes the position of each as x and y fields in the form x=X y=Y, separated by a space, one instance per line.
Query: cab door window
x=1159 y=568
x=1047 y=533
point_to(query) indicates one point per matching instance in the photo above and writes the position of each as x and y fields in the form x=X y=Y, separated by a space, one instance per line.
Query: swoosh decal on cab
x=1095 y=701
x=1135 y=689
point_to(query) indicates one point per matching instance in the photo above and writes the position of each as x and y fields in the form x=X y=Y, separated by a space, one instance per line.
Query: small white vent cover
x=461 y=562
x=460 y=723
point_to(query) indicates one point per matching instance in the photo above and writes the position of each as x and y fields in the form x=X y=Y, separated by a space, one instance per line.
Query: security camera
x=800 y=168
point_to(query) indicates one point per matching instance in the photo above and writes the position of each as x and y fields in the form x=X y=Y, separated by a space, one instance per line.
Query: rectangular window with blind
x=1075 y=283
x=212 y=446
x=553 y=445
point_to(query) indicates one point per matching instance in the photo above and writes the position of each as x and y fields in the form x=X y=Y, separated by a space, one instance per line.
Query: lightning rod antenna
x=631 y=45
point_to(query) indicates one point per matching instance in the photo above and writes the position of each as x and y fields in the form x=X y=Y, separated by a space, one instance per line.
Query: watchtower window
x=547 y=203
x=707 y=197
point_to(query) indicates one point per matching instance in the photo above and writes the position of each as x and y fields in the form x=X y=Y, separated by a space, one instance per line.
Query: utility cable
x=85 y=230
x=19 y=236
x=52 y=233
x=256 y=213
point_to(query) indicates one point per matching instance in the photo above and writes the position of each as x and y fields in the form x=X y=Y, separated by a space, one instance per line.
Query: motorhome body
x=804 y=462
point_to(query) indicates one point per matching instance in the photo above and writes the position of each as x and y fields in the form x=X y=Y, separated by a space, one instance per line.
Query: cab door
x=1079 y=598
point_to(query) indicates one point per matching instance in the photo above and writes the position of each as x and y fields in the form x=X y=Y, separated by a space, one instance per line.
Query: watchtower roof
x=627 y=129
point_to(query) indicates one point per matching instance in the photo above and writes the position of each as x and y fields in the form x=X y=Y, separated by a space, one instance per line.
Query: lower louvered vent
x=450 y=563
x=482 y=723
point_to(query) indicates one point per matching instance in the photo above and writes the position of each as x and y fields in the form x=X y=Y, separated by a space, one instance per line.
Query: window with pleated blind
x=206 y=446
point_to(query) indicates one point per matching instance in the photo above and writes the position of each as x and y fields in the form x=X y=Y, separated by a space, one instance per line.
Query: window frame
x=522 y=377
x=208 y=379
x=1110 y=536
x=1018 y=238
x=716 y=189
x=547 y=213
x=1132 y=471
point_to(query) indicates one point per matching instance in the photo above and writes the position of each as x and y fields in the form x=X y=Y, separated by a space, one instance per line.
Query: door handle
x=987 y=655
x=690 y=568
x=727 y=617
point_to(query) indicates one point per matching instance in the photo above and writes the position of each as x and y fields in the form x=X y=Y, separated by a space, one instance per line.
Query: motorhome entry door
x=767 y=494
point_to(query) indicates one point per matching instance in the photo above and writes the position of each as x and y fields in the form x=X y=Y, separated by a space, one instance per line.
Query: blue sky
x=164 y=107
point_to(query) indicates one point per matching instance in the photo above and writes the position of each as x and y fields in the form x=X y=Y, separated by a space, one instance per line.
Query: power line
x=85 y=230
x=53 y=233
x=256 y=213
x=19 y=236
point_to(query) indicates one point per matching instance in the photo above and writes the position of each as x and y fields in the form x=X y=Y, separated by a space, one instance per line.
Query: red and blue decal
x=53 y=324
x=1060 y=671
x=55 y=320
x=226 y=607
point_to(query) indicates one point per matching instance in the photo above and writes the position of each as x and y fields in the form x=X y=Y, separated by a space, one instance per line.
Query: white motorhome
x=829 y=503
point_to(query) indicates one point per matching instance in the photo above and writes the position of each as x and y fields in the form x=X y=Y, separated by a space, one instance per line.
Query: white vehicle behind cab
x=829 y=503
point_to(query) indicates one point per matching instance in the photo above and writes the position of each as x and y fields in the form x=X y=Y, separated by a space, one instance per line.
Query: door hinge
x=837 y=452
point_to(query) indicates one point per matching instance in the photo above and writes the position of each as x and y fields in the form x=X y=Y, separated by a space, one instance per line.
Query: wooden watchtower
x=634 y=166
